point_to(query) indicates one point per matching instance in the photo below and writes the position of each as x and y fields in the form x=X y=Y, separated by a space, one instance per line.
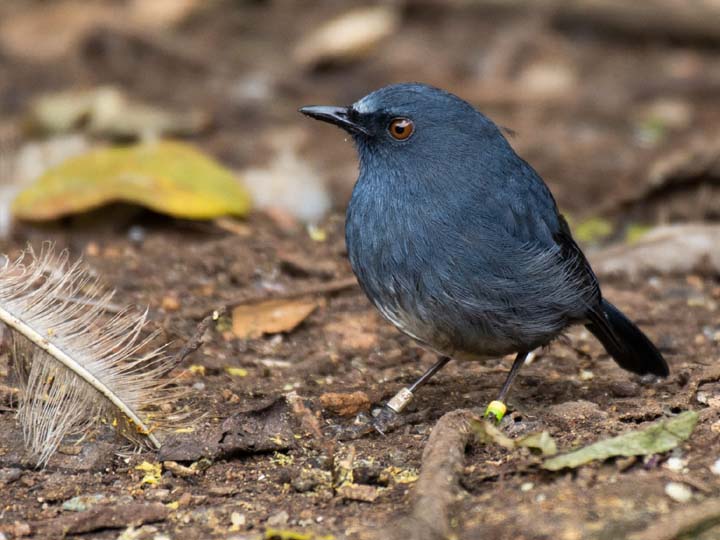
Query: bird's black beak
x=340 y=116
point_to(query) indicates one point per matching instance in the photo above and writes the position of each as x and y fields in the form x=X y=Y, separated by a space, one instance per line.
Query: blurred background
x=161 y=140
x=604 y=96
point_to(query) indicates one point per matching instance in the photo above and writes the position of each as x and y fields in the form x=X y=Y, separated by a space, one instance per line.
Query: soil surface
x=263 y=459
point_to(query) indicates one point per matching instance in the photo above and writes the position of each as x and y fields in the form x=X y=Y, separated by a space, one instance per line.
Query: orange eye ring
x=400 y=129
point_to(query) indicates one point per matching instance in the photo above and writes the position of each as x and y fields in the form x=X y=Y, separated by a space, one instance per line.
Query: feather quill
x=75 y=365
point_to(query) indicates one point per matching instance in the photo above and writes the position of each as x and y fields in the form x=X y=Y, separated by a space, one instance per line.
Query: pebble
x=159 y=494
x=82 y=503
x=279 y=519
x=237 y=519
x=676 y=464
x=678 y=492
x=624 y=389
x=8 y=476
x=527 y=486
x=136 y=234
x=715 y=468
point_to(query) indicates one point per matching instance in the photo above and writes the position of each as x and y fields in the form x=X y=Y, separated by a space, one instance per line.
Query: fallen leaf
x=486 y=432
x=153 y=472
x=659 y=437
x=358 y=492
x=196 y=369
x=236 y=371
x=108 y=111
x=251 y=321
x=347 y=37
x=539 y=441
x=345 y=404
x=169 y=177
x=667 y=249
x=285 y=534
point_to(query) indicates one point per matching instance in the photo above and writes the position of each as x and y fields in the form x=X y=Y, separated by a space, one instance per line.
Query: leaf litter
x=659 y=437
x=168 y=177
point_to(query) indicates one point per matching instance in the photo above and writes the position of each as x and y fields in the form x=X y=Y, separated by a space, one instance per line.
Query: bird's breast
x=391 y=254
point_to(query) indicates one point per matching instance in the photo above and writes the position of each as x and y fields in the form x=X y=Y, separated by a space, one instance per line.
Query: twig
x=684 y=520
x=328 y=287
x=195 y=341
x=310 y=423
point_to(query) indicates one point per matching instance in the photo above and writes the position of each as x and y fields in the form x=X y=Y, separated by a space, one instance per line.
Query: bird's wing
x=531 y=217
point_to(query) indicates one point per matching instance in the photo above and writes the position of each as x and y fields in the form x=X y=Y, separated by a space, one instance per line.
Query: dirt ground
x=593 y=110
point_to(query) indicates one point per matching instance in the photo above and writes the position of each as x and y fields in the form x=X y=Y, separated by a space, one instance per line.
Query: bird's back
x=484 y=267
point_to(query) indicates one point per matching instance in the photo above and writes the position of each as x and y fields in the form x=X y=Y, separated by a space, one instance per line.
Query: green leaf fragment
x=593 y=230
x=539 y=441
x=659 y=437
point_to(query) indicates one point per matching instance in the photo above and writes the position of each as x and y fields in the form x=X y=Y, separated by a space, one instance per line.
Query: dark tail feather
x=625 y=342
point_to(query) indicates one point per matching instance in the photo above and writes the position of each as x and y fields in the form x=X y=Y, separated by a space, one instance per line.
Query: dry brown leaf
x=667 y=249
x=347 y=37
x=45 y=31
x=358 y=492
x=345 y=404
x=251 y=321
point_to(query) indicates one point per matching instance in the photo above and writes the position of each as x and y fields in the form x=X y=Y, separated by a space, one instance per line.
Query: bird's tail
x=625 y=342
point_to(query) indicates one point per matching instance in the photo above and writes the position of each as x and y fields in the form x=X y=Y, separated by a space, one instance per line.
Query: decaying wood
x=686 y=21
x=442 y=464
x=683 y=520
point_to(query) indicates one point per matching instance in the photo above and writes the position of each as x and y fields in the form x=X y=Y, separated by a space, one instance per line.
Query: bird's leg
x=387 y=418
x=399 y=401
x=497 y=408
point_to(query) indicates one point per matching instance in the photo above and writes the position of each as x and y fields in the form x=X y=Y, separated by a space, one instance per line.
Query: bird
x=459 y=243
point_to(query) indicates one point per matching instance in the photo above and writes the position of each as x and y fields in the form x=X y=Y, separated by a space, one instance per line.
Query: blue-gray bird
x=459 y=243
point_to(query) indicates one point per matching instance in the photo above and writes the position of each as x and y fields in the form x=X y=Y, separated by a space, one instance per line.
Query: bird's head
x=413 y=124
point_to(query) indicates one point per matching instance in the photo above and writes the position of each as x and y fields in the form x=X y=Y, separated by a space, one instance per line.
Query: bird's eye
x=401 y=128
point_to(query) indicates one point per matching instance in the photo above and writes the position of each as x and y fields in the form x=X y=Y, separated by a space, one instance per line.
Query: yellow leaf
x=153 y=472
x=197 y=370
x=270 y=316
x=236 y=371
x=168 y=177
x=593 y=229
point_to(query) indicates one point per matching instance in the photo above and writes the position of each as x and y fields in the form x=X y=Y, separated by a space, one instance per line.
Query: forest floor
x=593 y=111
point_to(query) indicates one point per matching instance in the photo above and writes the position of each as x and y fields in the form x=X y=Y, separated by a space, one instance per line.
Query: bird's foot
x=496 y=409
x=383 y=421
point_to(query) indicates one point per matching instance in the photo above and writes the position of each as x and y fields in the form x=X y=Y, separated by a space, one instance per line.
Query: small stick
x=328 y=287
x=195 y=341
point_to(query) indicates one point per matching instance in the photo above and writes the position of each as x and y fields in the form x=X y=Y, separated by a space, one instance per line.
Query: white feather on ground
x=76 y=366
